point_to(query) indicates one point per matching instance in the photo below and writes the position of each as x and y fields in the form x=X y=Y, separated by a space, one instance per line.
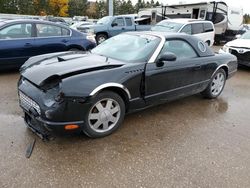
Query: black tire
x=100 y=38
x=74 y=49
x=104 y=116
x=208 y=92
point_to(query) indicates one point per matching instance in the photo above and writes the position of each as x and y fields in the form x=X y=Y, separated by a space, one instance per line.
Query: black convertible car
x=91 y=92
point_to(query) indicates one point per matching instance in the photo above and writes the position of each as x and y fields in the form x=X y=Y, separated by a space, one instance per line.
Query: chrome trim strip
x=135 y=99
x=176 y=89
x=158 y=49
x=32 y=38
x=218 y=69
x=103 y=86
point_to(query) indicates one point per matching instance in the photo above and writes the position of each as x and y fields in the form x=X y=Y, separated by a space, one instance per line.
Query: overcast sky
x=239 y=3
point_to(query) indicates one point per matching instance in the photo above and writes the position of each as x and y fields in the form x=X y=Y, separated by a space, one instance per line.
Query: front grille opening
x=27 y=103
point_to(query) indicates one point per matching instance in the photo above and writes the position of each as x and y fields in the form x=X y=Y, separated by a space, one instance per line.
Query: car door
x=117 y=26
x=198 y=31
x=174 y=78
x=129 y=24
x=16 y=44
x=51 y=38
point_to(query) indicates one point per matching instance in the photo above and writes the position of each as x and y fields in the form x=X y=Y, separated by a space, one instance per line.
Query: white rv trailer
x=227 y=20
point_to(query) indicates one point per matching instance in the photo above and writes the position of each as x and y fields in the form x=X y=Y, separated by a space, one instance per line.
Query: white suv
x=200 y=28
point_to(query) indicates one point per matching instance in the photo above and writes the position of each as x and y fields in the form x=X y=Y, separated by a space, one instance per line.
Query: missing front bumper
x=47 y=130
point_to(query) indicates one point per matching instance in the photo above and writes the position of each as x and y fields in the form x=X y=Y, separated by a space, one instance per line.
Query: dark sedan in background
x=22 y=39
x=92 y=91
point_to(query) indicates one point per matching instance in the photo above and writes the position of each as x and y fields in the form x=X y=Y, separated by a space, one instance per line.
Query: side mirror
x=238 y=36
x=168 y=56
x=114 y=24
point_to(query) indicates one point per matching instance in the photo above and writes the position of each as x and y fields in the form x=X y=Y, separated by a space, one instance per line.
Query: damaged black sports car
x=92 y=91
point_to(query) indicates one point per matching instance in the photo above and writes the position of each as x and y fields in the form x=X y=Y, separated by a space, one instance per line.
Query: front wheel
x=101 y=38
x=105 y=115
x=216 y=85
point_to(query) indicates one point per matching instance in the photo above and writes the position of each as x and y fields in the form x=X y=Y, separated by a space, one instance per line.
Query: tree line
x=247 y=18
x=72 y=8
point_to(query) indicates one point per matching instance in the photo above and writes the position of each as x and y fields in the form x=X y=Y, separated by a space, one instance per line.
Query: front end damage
x=46 y=109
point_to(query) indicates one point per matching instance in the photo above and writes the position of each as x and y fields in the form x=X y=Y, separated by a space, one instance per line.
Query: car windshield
x=104 y=20
x=167 y=26
x=128 y=47
x=246 y=35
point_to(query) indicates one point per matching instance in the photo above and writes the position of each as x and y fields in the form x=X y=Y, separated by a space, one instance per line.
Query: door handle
x=64 y=41
x=123 y=28
x=197 y=67
x=28 y=44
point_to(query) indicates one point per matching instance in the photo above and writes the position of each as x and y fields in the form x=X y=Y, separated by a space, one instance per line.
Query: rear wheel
x=74 y=49
x=216 y=85
x=105 y=115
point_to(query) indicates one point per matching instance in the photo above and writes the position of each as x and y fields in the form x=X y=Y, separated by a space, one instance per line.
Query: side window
x=180 y=48
x=128 y=21
x=208 y=27
x=187 y=29
x=209 y=16
x=119 y=22
x=65 y=32
x=197 y=28
x=16 y=31
x=44 y=30
x=202 y=14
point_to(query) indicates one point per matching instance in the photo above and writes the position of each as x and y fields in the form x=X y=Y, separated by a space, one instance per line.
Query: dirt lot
x=191 y=142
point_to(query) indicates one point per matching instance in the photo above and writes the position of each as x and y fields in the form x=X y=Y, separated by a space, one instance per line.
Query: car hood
x=62 y=65
x=94 y=27
x=240 y=43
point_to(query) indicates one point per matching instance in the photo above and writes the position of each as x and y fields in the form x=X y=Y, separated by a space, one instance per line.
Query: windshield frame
x=150 y=58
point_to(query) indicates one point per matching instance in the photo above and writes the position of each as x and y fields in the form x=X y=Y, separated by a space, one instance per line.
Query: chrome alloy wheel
x=217 y=83
x=101 y=39
x=104 y=115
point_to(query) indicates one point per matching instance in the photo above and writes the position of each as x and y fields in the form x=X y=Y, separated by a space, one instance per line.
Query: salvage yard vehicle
x=92 y=92
x=240 y=48
x=200 y=28
x=110 y=26
x=24 y=38
x=227 y=20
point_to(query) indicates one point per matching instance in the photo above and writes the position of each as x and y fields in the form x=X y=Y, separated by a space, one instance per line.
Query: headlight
x=91 y=38
x=225 y=48
x=52 y=91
